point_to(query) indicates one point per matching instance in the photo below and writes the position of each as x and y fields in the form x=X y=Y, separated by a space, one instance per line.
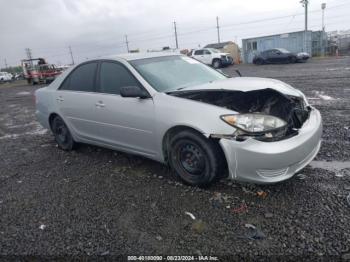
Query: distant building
x=339 y=41
x=228 y=47
x=293 y=42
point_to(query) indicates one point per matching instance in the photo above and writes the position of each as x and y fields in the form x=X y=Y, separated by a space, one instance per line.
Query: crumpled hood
x=248 y=84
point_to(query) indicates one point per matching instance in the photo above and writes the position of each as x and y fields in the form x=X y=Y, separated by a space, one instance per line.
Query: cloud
x=96 y=28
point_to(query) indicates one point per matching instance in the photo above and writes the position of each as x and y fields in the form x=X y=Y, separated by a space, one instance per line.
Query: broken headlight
x=254 y=123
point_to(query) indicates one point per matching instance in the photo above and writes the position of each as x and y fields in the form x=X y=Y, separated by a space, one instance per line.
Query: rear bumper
x=270 y=162
x=42 y=119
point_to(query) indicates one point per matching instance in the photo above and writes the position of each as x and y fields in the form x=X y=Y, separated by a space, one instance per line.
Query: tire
x=196 y=160
x=292 y=60
x=62 y=134
x=259 y=61
x=216 y=63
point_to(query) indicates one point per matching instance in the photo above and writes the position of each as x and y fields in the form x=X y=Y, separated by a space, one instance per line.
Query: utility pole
x=218 y=28
x=323 y=7
x=29 y=55
x=177 y=44
x=305 y=5
x=5 y=64
x=127 y=43
x=71 y=54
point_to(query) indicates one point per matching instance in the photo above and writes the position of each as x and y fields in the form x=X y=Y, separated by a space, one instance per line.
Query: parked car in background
x=302 y=56
x=213 y=57
x=5 y=77
x=178 y=111
x=279 y=56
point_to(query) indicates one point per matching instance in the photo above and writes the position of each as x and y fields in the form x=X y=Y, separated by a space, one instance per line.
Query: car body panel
x=130 y=125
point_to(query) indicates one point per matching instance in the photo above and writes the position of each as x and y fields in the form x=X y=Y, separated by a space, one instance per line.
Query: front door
x=127 y=123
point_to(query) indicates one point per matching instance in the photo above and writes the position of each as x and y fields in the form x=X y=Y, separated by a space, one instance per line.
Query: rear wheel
x=62 y=135
x=216 y=63
x=196 y=160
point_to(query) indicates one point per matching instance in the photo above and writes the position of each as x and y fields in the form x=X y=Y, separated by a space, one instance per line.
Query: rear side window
x=198 y=52
x=114 y=76
x=81 y=79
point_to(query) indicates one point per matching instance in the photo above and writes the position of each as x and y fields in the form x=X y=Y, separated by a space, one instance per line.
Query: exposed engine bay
x=265 y=101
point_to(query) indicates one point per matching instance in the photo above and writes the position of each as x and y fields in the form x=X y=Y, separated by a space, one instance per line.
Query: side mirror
x=133 y=91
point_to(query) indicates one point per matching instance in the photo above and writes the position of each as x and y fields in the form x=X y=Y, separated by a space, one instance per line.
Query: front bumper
x=227 y=60
x=270 y=162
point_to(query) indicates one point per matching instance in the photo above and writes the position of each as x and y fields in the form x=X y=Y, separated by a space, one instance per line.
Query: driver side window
x=114 y=76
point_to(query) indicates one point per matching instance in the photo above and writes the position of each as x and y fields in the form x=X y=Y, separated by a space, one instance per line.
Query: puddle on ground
x=338 y=167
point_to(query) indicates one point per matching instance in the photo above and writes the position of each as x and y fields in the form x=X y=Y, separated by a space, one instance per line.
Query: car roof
x=136 y=56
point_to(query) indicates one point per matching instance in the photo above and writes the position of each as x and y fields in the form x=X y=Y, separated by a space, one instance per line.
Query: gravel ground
x=97 y=202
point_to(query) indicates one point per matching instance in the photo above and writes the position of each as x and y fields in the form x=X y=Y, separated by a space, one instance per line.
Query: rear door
x=125 y=122
x=76 y=100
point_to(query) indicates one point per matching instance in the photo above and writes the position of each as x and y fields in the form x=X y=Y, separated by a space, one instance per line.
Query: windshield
x=170 y=73
x=283 y=50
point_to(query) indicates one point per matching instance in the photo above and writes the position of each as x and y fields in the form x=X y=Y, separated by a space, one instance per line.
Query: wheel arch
x=51 y=117
x=214 y=59
x=178 y=128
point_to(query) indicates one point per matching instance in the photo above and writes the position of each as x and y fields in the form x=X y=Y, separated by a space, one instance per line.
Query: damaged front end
x=266 y=114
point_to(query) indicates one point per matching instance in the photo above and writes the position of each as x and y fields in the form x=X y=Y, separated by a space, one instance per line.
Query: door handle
x=60 y=99
x=100 y=104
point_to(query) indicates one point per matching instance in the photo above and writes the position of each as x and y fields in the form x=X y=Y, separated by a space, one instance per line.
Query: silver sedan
x=180 y=112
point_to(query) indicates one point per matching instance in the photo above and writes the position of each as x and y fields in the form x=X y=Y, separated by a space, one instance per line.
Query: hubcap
x=61 y=131
x=191 y=158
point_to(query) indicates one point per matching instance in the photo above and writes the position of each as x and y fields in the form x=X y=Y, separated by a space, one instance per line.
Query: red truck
x=38 y=71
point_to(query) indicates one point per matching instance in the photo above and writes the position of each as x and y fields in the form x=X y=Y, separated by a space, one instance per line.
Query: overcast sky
x=97 y=27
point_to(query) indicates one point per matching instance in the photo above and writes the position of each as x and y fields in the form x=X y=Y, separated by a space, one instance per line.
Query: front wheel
x=216 y=63
x=62 y=135
x=196 y=160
